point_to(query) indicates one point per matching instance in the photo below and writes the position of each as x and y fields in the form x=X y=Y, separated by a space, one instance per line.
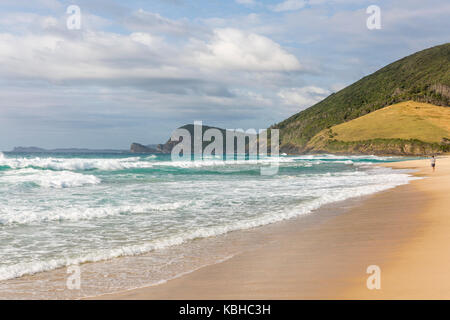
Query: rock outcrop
x=140 y=148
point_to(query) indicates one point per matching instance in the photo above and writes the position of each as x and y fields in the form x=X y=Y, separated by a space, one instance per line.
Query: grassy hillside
x=404 y=128
x=423 y=77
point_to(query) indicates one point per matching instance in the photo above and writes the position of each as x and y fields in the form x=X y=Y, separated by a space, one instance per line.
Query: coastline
x=402 y=230
x=149 y=268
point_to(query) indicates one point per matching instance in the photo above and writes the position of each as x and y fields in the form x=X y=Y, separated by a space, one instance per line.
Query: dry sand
x=405 y=231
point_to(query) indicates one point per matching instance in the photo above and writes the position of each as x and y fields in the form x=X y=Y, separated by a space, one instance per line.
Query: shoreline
x=323 y=255
x=329 y=261
x=51 y=284
x=101 y=275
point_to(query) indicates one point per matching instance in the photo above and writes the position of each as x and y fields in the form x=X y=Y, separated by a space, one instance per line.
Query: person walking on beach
x=433 y=163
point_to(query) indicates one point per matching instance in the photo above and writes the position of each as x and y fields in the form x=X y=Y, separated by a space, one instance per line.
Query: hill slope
x=169 y=145
x=403 y=128
x=423 y=76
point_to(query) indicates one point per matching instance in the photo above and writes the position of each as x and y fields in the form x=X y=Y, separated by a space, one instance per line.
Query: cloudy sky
x=135 y=71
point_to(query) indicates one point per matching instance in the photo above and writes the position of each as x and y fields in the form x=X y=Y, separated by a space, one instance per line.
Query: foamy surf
x=21 y=269
x=73 y=213
x=104 y=207
x=49 y=179
x=74 y=164
x=125 y=163
x=83 y=164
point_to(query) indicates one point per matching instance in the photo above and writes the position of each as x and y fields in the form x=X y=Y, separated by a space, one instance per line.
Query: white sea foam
x=75 y=164
x=221 y=163
x=80 y=164
x=326 y=188
x=21 y=269
x=11 y=215
x=343 y=157
x=127 y=215
x=49 y=179
x=310 y=159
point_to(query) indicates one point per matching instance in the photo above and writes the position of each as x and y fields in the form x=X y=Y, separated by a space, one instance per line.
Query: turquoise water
x=62 y=209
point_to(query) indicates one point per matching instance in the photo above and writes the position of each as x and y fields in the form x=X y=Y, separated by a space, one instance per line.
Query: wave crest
x=50 y=179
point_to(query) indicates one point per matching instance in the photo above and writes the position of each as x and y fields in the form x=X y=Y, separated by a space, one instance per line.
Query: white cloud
x=180 y=69
x=142 y=20
x=289 y=5
x=248 y=2
x=139 y=56
x=147 y=39
x=238 y=50
x=303 y=97
x=32 y=23
x=95 y=55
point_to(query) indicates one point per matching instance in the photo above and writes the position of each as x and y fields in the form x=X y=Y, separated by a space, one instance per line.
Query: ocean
x=58 y=210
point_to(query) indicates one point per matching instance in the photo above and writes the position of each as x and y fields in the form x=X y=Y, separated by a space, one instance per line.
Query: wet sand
x=405 y=231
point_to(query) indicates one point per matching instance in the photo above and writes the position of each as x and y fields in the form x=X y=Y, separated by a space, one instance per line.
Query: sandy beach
x=404 y=231
x=224 y=150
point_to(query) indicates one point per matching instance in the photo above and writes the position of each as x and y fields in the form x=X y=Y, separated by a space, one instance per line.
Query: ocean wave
x=82 y=164
x=11 y=215
x=128 y=216
x=379 y=180
x=49 y=179
x=222 y=163
x=78 y=164
x=74 y=164
x=343 y=157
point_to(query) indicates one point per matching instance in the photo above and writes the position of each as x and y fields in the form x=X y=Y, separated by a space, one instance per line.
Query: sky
x=134 y=71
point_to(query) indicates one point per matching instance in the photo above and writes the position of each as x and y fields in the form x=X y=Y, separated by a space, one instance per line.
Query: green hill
x=403 y=128
x=423 y=77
